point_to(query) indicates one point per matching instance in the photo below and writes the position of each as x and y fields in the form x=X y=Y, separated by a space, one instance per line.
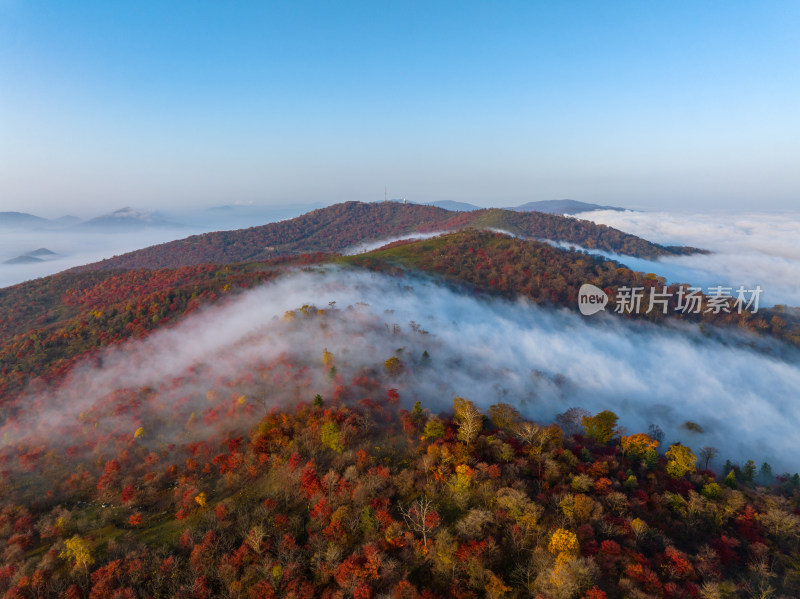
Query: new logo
x=591 y=299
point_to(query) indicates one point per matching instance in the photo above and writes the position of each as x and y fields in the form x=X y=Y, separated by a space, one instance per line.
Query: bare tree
x=707 y=454
x=534 y=435
x=470 y=420
x=421 y=517
x=570 y=421
x=255 y=537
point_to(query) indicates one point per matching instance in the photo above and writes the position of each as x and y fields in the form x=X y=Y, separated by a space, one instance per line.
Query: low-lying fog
x=748 y=249
x=72 y=248
x=543 y=361
x=80 y=244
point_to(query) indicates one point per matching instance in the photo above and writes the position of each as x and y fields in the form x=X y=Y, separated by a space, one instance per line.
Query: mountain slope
x=328 y=229
x=46 y=324
x=539 y=225
x=335 y=228
x=206 y=483
x=496 y=264
x=300 y=474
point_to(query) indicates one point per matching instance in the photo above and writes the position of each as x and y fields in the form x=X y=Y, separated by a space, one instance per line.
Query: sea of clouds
x=543 y=361
x=747 y=249
x=72 y=248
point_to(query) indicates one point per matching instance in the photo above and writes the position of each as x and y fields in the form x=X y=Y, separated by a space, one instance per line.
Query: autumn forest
x=165 y=431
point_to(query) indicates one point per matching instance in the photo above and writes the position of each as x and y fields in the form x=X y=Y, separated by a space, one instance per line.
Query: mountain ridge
x=337 y=227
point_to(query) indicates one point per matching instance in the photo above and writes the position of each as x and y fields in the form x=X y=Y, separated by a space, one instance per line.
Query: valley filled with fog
x=542 y=361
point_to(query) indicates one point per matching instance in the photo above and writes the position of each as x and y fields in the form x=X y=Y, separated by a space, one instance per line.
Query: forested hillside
x=338 y=227
x=310 y=474
x=541 y=225
x=348 y=495
x=48 y=323
x=498 y=264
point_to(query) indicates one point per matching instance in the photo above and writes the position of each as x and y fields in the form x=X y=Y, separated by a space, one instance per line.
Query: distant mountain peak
x=26 y=259
x=562 y=207
x=21 y=220
x=41 y=252
x=33 y=257
x=128 y=218
x=128 y=212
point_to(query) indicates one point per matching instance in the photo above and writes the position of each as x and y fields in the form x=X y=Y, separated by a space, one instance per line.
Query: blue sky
x=170 y=105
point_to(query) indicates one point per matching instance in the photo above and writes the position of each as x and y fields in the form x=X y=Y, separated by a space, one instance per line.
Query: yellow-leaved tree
x=393 y=366
x=78 y=551
x=564 y=545
x=681 y=460
x=639 y=446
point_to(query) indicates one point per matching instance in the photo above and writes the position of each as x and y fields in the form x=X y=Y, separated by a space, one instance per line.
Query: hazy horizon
x=88 y=212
